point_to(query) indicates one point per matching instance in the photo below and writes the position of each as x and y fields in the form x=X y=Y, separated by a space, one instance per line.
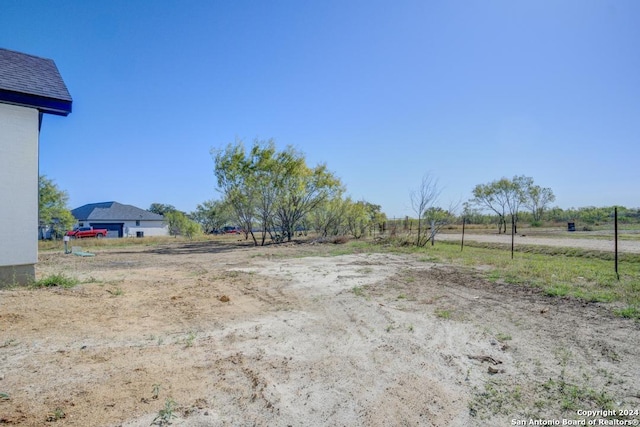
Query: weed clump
x=166 y=414
x=630 y=312
x=59 y=280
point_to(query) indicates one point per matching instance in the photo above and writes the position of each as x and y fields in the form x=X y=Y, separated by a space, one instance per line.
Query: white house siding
x=148 y=228
x=18 y=193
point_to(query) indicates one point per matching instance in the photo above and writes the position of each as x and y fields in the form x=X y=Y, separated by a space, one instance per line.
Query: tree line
x=273 y=195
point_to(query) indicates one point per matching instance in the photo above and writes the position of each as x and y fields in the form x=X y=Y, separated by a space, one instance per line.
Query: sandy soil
x=205 y=334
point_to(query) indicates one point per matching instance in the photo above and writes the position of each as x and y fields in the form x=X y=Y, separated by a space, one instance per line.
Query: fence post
x=513 y=228
x=615 y=239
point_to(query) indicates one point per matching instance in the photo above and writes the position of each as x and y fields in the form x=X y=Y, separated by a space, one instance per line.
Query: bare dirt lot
x=207 y=334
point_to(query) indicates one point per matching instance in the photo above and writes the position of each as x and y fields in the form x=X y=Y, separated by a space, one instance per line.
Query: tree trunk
x=433 y=233
x=253 y=236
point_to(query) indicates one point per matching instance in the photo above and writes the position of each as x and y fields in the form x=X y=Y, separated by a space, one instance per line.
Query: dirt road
x=600 y=244
x=205 y=334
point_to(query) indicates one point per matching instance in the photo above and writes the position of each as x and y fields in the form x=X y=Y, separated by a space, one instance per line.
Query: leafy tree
x=327 y=219
x=594 y=215
x=537 y=200
x=437 y=218
x=175 y=221
x=516 y=196
x=362 y=216
x=377 y=218
x=190 y=228
x=473 y=215
x=180 y=224
x=300 y=189
x=273 y=188
x=357 y=218
x=265 y=170
x=337 y=216
x=161 y=209
x=486 y=196
x=211 y=215
x=557 y=214
x=503 y=197
x=234 y=174
x=52 y=207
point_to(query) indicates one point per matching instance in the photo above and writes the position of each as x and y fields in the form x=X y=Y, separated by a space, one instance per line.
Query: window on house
x=138 y=223
x=81 y=224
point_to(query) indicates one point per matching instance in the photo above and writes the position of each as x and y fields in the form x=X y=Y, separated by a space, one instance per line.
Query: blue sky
x=381 y=91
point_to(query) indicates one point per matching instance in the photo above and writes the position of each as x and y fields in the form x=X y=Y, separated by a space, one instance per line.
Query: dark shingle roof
x=31 y=81
x=113 y=211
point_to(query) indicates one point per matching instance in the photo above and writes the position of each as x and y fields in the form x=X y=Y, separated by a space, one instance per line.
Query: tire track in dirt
x=367 y=339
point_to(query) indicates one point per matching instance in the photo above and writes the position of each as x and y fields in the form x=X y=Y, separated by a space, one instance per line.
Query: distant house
x=121 y=220
x=29 y=87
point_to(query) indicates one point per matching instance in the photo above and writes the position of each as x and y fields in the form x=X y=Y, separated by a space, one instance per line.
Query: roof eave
x=59 y=107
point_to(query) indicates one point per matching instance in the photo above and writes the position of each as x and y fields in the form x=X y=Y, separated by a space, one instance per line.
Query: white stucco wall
x=149 y=228
x=18 y=185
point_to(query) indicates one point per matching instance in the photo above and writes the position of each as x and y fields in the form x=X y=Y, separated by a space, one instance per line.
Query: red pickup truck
x=82 y=232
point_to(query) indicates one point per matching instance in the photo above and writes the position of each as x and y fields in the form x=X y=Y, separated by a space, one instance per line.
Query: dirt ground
x=208 y=334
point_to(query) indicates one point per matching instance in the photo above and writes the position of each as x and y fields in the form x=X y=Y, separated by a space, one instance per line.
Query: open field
x=215 y=333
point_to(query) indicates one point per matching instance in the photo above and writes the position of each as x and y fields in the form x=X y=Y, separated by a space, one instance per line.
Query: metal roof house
x=29 y=87
x=121 y=220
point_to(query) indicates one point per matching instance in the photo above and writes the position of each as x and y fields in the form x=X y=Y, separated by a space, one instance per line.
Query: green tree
x=265 y=168
x=358 y=218
x=362 y=216
x=175 y=221
x=180 y=224
x=537 y=200
x=516 y=196
x=161 y=208
x=234 y=172
x=211 y=215
x=503 y=196
x=594 y=215
x=486 y=197
x=473 y=215
x=274 y=189
x=557 y=214
x=52 y=207
x=191 y=228
x=327 y=219
x=437 y=218
x=377 y=218
x=300 y=189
